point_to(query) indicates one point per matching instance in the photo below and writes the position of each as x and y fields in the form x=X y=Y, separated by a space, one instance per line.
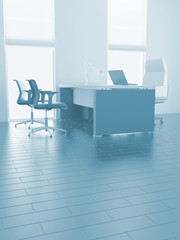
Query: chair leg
x=47 y=130
x=58 y=129
x=32 y=119
x=52 y=128
x=35 y=121
x=24 y=122
x=61 y=130
x=36 y=130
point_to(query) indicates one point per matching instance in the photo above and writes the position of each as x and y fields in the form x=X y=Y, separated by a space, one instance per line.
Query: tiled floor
x=121 y=187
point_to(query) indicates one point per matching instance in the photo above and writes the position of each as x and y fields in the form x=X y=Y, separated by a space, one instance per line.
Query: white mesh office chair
x=156 y=77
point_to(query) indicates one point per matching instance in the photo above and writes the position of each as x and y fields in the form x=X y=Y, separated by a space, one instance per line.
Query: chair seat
x=52 y=106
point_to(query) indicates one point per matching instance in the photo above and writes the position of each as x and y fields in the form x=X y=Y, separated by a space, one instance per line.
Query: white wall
x=3 y=89
x=81 y=35
x=163 y=41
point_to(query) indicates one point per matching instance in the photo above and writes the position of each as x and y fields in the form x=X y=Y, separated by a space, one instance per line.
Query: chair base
x=46 y=128
x=29 y=121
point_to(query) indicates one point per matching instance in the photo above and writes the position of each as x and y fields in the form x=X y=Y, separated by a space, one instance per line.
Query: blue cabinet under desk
x=112 y=110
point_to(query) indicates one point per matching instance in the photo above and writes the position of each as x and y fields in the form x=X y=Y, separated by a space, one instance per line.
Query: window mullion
x=27 y=42
x=120 y=47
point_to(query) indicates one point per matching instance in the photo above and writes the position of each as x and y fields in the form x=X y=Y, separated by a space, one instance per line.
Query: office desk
x=112 y=109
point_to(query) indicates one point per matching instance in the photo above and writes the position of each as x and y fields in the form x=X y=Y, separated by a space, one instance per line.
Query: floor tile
x=160 y=232
x=116 y=227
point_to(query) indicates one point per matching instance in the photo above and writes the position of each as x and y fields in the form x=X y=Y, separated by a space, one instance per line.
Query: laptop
x=118 y=77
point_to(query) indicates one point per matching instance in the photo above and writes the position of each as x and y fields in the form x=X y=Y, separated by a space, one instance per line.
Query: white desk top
x=105 y=87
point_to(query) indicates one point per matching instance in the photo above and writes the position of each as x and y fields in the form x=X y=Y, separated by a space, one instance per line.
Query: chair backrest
x=35 y=92
x=155 y=73
x=22 y=94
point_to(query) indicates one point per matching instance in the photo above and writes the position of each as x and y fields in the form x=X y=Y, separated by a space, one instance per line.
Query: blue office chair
x=46 y=106
x=156 y=77
x=24 y=98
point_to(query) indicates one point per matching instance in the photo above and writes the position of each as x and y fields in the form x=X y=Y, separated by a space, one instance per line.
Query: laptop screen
x=118 y=77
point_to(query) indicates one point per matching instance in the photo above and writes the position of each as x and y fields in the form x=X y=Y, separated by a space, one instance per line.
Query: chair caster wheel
x=161 y=121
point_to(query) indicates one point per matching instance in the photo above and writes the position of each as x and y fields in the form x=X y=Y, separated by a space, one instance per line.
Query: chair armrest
x=50 y=96
x=42 y=99
x=43 y=93
x=29 y=92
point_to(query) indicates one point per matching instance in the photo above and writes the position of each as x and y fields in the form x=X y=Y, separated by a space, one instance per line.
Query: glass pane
x=28 y=63
x=127 y=22
x=130 y=62
x=29 y=19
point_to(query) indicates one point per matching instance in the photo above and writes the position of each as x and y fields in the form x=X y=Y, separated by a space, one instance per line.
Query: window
x=29 y=19
x=29 y=37
x=127 y=37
